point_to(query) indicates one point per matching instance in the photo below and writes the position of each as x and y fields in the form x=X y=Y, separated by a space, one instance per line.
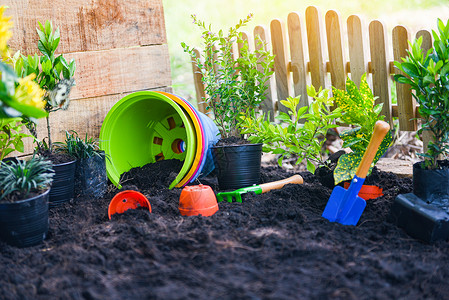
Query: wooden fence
x=119 y=47
x=351 y=51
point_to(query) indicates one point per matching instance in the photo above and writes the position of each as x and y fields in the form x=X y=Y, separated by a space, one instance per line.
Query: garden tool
x=345 y=206
x=258 y=189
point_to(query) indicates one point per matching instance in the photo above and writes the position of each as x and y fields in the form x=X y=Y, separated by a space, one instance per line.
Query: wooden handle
x=275 y=185
x=380 y=130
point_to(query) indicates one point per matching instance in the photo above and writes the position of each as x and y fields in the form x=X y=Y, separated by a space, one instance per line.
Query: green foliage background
x=223 y=14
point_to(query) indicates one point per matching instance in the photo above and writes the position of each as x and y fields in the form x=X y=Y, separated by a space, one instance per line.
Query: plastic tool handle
x=275 y=185
x=380 y=130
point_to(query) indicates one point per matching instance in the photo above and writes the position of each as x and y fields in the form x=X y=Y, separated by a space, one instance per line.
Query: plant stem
x=50 y=146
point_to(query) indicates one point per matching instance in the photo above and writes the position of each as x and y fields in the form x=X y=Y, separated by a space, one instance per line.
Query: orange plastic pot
x=368 y=192
x=127 y=200
x=197 y=200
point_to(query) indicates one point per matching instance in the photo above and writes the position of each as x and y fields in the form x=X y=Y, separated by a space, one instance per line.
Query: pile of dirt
x=271 y=246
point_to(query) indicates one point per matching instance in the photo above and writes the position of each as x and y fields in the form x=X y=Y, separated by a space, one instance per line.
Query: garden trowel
x=258 y=189
x=345 y=206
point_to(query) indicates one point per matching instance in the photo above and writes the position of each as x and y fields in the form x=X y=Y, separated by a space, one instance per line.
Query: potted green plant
x=234 y=86
x=90 y=173
x=358 y=110
x=55 y=76
x=24 y=185
x=19 y=97
x=300 y=132
x=24 y=201
x=423 y=213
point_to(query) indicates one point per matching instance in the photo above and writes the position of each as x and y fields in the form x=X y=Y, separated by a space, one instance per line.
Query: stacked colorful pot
x=148 y=126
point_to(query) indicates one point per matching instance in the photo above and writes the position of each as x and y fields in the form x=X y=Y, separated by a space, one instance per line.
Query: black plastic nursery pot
x=24 y=223
x=424 y=214
x=63 y=187
x=237 y=165
x=90 y=176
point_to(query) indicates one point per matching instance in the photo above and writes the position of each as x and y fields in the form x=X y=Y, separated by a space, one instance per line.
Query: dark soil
x=271 y=246
x=57 y=157
x=232 y=141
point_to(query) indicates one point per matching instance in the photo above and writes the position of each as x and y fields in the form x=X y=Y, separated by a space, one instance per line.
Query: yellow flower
x=29 y=93
x=5 y=31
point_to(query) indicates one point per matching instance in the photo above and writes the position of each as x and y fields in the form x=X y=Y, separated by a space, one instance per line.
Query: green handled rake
x=258 y=189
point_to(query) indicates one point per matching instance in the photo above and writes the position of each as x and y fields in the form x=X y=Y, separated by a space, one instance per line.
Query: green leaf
x=410 y=69
x=310 y=166
x=347 y=166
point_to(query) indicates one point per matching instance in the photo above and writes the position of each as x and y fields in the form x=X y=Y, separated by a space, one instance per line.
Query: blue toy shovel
x=344 y=206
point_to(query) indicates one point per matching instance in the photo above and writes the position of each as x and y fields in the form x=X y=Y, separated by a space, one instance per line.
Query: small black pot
x=432 y=186
x=90 y=176
x=63 y=187
x=25 y=223
x=424 y=214
x=238 y=165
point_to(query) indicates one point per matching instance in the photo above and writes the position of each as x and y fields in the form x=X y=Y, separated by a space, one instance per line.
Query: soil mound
x=271 y=246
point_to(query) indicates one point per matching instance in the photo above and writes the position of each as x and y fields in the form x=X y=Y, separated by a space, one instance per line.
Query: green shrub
x=428 y=76
x=20 y=178
x=77 y=147
x=233 y=86
x=358 y=109
x=290 y=137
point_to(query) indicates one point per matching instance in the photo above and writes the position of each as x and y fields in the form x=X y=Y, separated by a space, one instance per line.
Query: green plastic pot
x=145 y=127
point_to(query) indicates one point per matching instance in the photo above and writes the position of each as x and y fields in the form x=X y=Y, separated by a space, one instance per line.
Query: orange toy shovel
x=345 y=206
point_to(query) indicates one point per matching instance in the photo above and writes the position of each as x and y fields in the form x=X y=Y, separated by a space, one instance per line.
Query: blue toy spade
x=344 y=206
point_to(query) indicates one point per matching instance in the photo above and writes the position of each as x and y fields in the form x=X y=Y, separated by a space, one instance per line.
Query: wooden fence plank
x=380 y=67
x=357 y=54
x=314 y=39
x=335 y=49
x=199 y=87
x=426 y=39
x=406 y=103
x=298 y=61
x=88 y=24
x=426 y=45
x=245 y=37
x=282 y=75
x=120 y=70
x=267 y=105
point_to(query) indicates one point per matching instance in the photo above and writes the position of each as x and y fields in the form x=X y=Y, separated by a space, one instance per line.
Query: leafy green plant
x=11 y=136
x=233 y=86
x=77 y=147
x=358 y=109
x=18 y=96
x=291 y=137
x=428 y=76
x=19 y=179
x=53 y=73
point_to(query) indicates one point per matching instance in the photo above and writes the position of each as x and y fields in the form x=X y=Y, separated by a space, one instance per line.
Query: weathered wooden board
x=282 y=74
x=335 y=50
x=120 y=70
x=261 y=40
x=315 y=44
x=298 y=59
x=406 y=103
x=88 y=24
x=356 y=44
x=380 y=67
x=119 y=47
